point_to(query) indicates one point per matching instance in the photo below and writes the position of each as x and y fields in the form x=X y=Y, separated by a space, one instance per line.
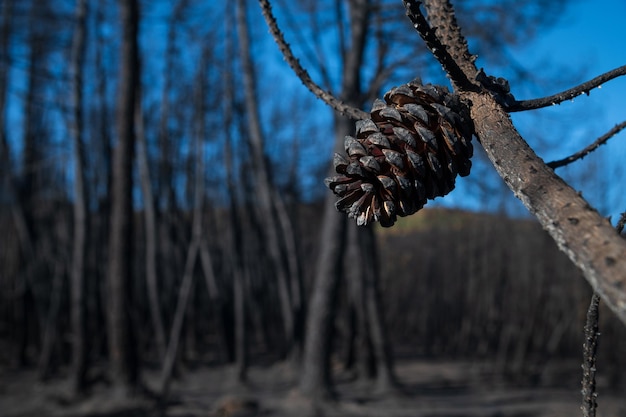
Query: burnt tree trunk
x=18 y=210
x=264 y=187
x=315 y=380
x=122 y=346
x=29 y=186
x=185 y=291
x=237 y=245
x=81 y=224
x=385 y=377
x=150 y=222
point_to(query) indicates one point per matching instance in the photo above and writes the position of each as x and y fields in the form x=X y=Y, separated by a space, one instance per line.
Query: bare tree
x=197 y=235
x=32 y=179
x=237 y=244
x=315 y=378
x=81 y=223
x=268 y=209
x=122 y=344
x=579 y=230
x=18 y=209
x=150 y=222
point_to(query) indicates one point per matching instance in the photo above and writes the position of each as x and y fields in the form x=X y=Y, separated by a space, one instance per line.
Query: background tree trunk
x=315 y=379
x=239 y=351
x=122 y=344
x=385 y=377
x=81 y=224
x=150 y=222
x=264 y=187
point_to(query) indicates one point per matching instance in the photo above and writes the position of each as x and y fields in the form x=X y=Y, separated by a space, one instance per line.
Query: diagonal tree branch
x=443 y=19
x=304 y=76
x=581 y=232
x=590 y=347
x=558 y=98
x=459 y=78
x=586 y=237
x=592 y=147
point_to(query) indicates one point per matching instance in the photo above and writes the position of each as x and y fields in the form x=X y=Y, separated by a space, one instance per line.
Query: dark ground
x=445 y=389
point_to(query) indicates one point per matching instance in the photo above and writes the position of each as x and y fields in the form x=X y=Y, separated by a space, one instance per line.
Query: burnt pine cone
x=411 y=150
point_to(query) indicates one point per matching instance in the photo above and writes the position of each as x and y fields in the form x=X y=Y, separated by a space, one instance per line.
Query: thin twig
x=438 y=49
x=621 y=223
x=590 y=347
x=595 y=145
x=304 y=76
x=558 y=98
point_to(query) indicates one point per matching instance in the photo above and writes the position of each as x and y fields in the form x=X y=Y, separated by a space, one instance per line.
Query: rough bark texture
x=587 y=238
x=442 y=19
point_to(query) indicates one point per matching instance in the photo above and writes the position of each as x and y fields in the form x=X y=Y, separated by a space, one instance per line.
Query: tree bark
x=122 y=346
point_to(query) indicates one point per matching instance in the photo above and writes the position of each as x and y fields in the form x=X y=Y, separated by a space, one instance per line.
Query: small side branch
x=438 y=49
x=303 y=74
x=595 y=145
x=621 y=223
x=558 y=98
x=590 y=347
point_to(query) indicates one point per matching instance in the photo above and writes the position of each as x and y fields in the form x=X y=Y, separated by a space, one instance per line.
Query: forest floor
x=437 y=389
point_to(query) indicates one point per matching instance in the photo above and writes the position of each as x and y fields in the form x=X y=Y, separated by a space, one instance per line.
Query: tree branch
x=304 y=76
x=590 y=347
x=621 y=223
x=442 y=18
x=582 y=233
x=595 y=145
x=558 y=98
x=458 y=77
x=587 y=238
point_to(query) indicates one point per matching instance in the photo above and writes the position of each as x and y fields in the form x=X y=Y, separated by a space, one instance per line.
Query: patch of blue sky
x=589 y=40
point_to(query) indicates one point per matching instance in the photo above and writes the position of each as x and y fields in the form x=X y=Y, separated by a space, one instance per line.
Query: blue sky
x=590 y=39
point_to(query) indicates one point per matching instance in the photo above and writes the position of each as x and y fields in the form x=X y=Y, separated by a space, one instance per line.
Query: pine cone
x=411 y=150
